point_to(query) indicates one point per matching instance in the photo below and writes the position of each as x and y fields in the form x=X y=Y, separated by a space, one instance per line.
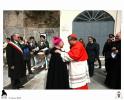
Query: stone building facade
x=31 y=23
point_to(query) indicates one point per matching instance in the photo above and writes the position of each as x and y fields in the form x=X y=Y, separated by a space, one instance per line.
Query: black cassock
x=15 y=58
x=57 y=77
x=113 y=78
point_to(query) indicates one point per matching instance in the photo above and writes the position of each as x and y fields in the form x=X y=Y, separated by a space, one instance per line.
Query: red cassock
x=78 y=53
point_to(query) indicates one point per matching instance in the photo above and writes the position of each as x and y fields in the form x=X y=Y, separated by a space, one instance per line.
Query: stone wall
x=18 y=22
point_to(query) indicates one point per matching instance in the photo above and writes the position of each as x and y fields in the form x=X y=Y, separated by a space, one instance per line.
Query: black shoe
x=21 y=86
x=46 y=68
x=15 y=87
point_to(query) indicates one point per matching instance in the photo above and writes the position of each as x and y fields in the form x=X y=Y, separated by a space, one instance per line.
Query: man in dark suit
x=15 y=61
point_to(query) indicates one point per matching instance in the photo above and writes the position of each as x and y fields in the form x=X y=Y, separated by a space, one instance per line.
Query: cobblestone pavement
x=38 y=79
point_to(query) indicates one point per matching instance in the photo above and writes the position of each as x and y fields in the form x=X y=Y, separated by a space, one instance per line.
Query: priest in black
x=113 y=78
x=15 y=61
x=57 y=77
x=115 y=64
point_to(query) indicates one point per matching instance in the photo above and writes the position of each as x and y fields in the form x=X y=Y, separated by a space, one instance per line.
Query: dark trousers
x=16 y=83
x=113 y=77
x=28 y=64
x=99 y=61
x=91 y=68
x=106 y=65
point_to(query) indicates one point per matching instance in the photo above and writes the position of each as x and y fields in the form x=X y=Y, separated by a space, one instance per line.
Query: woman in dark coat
x=92 y=54
x=57 y=77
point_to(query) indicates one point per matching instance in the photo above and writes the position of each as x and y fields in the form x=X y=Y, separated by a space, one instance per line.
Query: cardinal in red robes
x=78 y=67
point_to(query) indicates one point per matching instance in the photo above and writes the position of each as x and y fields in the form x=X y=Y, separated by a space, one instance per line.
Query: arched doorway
x=96 y=23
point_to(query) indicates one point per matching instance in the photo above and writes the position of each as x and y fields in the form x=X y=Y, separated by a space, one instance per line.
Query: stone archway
x=96 y=23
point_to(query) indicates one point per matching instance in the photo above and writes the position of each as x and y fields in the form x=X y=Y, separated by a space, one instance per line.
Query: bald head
x=16 y=37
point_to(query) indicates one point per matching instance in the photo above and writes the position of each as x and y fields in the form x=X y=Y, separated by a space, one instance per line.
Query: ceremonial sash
x=16 y=46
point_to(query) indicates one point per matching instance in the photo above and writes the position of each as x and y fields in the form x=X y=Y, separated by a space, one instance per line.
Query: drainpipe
x=116 y=22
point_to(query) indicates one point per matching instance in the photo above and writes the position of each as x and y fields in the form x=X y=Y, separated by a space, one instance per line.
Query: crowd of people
x=66 y=70
x=21 y=55
x=112 y=53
